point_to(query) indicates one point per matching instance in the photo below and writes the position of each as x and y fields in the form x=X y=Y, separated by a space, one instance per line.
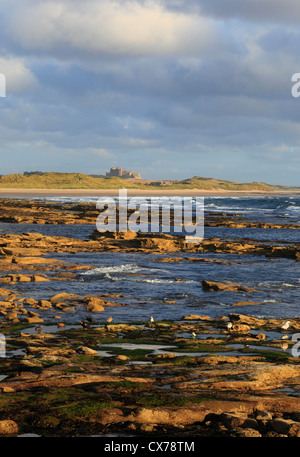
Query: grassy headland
x=56 y=180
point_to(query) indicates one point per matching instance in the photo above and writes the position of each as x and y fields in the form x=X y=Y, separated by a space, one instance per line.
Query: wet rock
x=30 y=301
x=39 y=278
x=246 y=303
x=94 y=305
x=246 y=319
x=64 y=297
x=17 y=278
x=33 y=320
x=226 y=286
x=43 y=304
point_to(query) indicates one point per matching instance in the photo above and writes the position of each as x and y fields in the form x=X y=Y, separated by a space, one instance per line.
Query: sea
x=171 y=290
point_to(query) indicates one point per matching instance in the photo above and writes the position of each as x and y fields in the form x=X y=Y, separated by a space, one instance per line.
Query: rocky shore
x=195 y=376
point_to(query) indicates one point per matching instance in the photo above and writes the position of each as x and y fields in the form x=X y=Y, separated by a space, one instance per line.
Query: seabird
x=84 y=324
x=90 y=319
x=284 y=346
x=61 y=325
x=286 y=325
x=108 y=320
x=151 y=320
x=229 y=326
x=194 y=335
x=38 y=328
x=285 y=337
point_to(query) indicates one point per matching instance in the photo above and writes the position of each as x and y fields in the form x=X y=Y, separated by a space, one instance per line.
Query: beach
x=15 y=192
x=143 y=334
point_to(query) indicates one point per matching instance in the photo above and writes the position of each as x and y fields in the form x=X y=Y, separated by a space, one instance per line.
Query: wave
x=126 y=268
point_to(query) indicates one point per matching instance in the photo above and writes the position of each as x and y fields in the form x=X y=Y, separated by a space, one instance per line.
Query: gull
x=286 y=325
x=151 y=320
x=229 y=326
x=285 y=337
x=194 y=335
x=108 y=320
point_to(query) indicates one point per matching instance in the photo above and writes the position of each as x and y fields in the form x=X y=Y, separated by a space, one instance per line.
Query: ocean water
x=171 y=290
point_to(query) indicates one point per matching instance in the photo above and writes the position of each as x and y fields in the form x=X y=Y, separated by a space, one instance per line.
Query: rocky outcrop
x=225 y=286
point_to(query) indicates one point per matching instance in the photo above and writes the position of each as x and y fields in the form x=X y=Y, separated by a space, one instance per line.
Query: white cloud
x=18 y=77
x=108 y=27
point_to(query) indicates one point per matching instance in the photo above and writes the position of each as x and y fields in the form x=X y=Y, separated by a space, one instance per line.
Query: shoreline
x=140 y=192
x=70 y=370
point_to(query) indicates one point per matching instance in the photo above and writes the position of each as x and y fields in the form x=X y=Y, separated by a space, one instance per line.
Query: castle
x=122 y=173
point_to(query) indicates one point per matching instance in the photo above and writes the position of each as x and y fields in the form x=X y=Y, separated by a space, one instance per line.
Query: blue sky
x=170 y=89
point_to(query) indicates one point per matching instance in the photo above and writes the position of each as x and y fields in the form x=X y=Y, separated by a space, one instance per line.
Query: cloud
x=18 y=76
x=105 y=27
x=270 y=11
x=166 y=86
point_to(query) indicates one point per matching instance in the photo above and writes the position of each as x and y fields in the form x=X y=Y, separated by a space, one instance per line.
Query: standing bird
x=84 y=324
x=151 y=320
x=194 y=335
x=108 y=320
x=284 y=346
x=61 y=325
x=286 y=325
x=38 y=328
x=229 y=326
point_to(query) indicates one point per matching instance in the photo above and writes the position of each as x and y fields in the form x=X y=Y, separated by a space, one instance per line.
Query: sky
x=167 y=88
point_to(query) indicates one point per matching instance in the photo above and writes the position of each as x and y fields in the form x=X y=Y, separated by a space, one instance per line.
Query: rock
x=245 y=319
x=249 y=422
x=261 y=336
x=8 y=427
x=39 y=278
x=18 y=278
x=196 y=317
x=168 y=416
x=122 y=357
x=33 y=320
x=263 y=415
x=226 y=286
x=5 y=292
x=87 y=351
x=240 y=328
x=231 y=420
x=94 y=305
x=285 y=427
x=30 y=301
x=248 y=433
x=44 y=304
x=63 y=297
x=246 y=303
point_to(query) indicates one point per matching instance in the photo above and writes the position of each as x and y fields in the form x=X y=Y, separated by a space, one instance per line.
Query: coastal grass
x=55 y=180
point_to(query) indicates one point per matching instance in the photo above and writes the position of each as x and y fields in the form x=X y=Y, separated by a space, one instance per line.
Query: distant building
x=30 y=173
x=122 y=173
